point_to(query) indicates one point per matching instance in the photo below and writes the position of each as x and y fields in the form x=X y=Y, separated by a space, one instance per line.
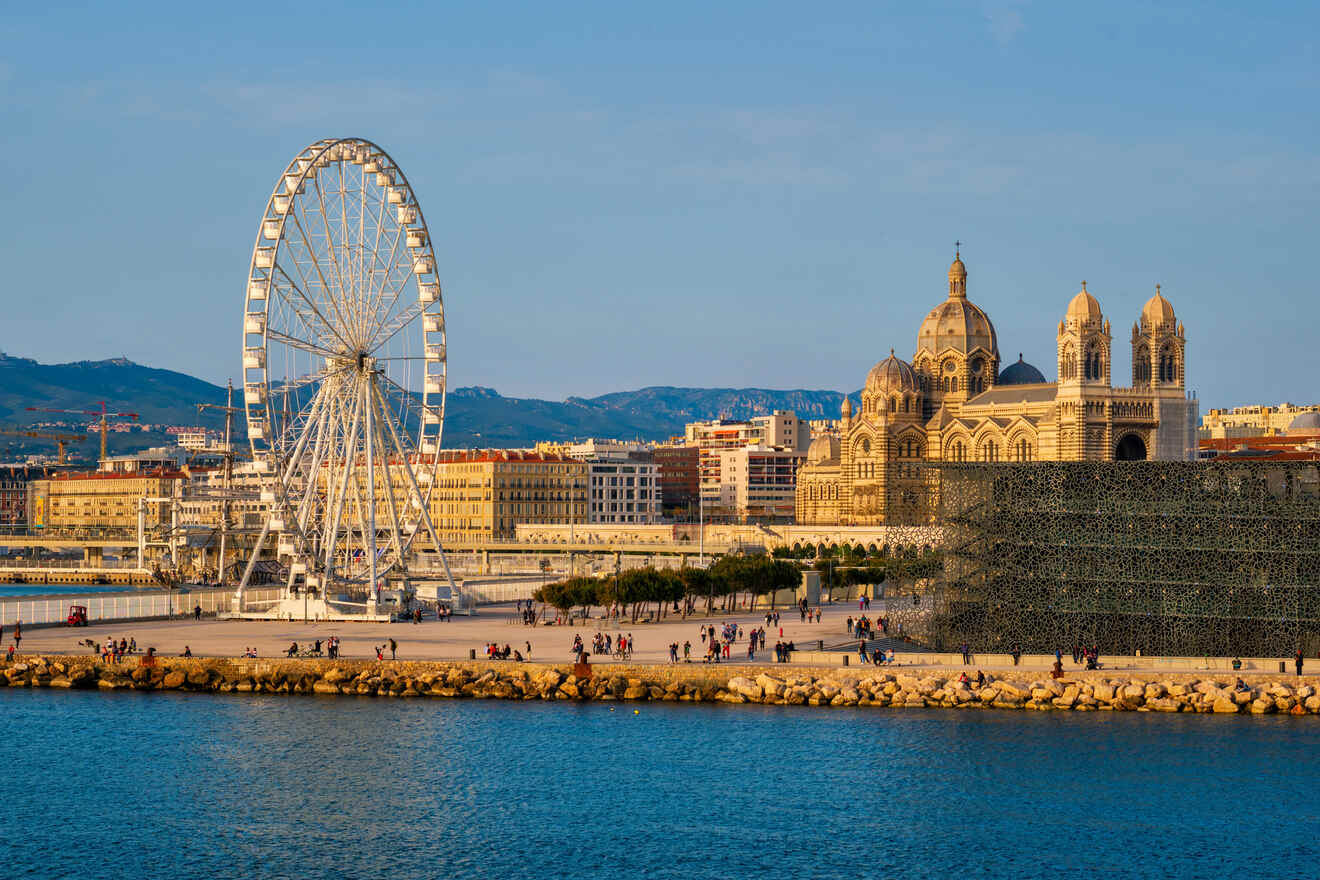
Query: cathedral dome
x=823 y=449
x=1157 y=310
x=846 y=409
x=892 y=375
x=1083 y=307
x=957 y=323
x=1021 y=373
x=1305 y=422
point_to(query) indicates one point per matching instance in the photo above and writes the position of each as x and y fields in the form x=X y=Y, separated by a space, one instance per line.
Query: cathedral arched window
x=893 y=404
x=953 y=384
x=1141 y=366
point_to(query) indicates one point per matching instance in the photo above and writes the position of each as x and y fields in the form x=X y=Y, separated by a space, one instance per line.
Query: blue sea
x=181 y=785
x=9 y=591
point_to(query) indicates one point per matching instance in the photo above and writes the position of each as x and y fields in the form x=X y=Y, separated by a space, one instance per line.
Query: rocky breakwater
x=684 y=683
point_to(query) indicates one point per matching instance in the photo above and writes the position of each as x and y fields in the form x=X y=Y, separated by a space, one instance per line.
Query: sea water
x=145 y=785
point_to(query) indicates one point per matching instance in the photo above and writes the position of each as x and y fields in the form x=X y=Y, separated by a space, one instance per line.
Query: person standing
x=967 y=654
x=1297 y=659
x=394 y=649
x=18 y=635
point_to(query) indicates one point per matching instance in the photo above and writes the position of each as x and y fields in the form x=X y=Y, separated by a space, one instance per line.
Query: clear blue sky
x=687 y=193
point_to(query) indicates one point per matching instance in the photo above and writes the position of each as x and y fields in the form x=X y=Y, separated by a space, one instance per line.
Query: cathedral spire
x=957 y=274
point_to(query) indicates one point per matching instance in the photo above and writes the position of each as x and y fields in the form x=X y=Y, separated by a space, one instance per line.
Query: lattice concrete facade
x=1165 y=558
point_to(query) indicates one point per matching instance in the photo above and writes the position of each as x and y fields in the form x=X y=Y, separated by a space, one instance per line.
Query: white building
x=623 y=490
x=781 y=430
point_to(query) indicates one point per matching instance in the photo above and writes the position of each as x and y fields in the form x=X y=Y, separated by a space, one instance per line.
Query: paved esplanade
x=431 y=640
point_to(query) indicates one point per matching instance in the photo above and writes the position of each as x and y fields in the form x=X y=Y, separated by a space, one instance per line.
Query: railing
x=44 y=563
x=36 y=611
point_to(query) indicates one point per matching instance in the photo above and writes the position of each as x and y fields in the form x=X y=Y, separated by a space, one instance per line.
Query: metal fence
x=39 y=610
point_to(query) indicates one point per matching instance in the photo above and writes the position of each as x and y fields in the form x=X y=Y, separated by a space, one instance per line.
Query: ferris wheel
x=344 y=370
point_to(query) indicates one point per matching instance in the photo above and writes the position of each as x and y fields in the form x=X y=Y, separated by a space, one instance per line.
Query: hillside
x=476 y=416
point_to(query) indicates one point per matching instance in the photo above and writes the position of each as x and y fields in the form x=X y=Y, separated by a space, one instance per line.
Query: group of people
x=864 y=627
x=806 y=612
x=113 y=652
x=526 y=611
x=877 y=657
x=495 y=652
x=687 y=652
x=606 y=645
x=314 y=651
x=784 y=651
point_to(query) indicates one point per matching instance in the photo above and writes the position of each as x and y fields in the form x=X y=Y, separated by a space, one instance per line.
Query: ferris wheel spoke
x=300 y=344
x=388 y=331
x=329 y=245
x=313 y=319
x=345 y=327
x=389 y=265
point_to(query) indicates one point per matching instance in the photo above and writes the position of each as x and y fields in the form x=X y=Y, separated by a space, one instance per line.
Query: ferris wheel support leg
x=421 y=499
x=252 y=564
x=373 y=595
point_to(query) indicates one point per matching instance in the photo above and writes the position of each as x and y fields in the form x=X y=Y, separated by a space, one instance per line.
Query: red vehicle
x=77 y=616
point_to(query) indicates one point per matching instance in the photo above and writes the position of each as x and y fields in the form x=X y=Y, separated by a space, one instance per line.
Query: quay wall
x=1210 y=693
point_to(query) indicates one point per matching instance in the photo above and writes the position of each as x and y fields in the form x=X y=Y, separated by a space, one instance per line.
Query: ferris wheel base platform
x=311 y=610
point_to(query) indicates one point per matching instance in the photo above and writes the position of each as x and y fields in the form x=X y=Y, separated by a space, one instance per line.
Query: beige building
x=102 y=503
x=482 y=496
x=953 y=403
x=1252 y=421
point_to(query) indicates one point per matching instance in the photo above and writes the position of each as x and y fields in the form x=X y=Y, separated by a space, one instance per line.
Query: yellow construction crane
x=102 y=412
x=60 y=439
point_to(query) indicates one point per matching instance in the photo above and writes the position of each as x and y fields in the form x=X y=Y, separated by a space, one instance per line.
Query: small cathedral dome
x=1083 y=307
x=823 y=449
x=846 y=409
x=1157 y=310
x=1021 y=373
x=892 y=375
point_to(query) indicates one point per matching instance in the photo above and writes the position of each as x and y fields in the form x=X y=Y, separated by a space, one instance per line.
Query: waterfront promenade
x=453 y=640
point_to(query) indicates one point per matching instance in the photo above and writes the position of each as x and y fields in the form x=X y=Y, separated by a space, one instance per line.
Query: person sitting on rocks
x=187 y=651
x=292 y=651
x=980 y=679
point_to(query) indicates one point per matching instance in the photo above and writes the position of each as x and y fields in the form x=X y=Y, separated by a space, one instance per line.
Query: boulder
x=336 y=674
x=1262 y=706
x=745 y=686
x=636 y=692
x=771 y=687
x=324 y=686
x=174 y=679
x=1103 y=692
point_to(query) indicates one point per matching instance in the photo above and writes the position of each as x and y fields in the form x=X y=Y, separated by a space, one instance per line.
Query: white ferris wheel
x=344 y=372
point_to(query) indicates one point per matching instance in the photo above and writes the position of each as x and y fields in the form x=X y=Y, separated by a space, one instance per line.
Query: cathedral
x=952 y=402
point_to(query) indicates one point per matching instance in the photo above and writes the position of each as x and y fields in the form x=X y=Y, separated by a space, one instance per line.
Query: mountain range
x=475 y=416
